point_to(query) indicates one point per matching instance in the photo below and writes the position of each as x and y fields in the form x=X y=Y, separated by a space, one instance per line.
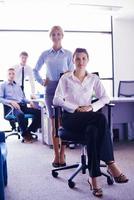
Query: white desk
x=122 y=112
x=121 y=99
x=46 y=128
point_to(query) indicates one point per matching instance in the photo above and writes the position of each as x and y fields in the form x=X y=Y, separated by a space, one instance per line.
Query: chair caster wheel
x=110 y=181
x=35 y=136
x=54 y=174
x=22 y=140
x=71 y=184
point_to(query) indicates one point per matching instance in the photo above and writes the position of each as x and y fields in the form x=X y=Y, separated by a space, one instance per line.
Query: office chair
x=126 y=89
x=66 y=136
x=3 y=165
x=10 y=116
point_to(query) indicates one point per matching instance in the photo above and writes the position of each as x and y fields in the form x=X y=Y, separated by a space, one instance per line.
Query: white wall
x=123 y=35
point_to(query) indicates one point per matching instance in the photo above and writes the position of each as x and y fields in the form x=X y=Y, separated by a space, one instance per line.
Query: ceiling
x=119 y=8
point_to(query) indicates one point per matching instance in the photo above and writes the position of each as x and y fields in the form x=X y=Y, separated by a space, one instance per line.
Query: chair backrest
x=97 y=73
x=126 y=89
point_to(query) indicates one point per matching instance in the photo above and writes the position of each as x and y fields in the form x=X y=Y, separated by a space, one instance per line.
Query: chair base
x=82 y=166
x=19 y=136
x=13 y=133
x=33 y=135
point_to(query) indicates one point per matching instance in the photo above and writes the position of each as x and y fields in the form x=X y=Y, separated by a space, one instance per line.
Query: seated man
x=12 y=94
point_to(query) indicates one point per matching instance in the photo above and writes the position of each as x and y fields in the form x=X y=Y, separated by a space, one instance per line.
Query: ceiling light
x=98 y=6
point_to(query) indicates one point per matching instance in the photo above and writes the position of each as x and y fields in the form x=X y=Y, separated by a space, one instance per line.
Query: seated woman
x=74 y=94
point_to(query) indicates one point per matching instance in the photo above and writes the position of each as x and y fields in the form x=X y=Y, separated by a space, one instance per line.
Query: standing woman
x=58 y=61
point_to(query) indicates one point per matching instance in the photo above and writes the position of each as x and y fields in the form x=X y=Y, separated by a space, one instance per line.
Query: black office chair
x=126 y=89
x=10 y=116
x=66 y=136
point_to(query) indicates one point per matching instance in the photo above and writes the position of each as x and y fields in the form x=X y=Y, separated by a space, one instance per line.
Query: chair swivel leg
x=82 y=165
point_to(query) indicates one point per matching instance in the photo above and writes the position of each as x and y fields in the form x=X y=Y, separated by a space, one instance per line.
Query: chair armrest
x=110 y=106
x=56 y=111
x=11 y=111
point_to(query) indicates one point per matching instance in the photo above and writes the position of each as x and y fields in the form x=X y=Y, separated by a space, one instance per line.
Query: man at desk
x=12 y=94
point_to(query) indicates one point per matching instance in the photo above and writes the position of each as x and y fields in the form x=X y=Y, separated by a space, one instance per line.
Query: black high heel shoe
x=118 y=179
x=56 y=165
x=97 y=192
x=63 y=164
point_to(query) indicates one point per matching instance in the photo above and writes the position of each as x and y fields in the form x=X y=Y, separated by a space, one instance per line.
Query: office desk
x=122 y=112
x=46 y=127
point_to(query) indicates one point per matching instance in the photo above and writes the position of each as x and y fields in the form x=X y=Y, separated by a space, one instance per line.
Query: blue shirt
x=57 y=62
x=11 y=91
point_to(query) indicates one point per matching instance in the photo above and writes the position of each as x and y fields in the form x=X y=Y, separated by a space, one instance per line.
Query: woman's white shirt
x=72 y=93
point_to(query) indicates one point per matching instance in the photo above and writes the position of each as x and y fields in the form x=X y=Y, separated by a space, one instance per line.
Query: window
x=97 y=44
x=87 y=29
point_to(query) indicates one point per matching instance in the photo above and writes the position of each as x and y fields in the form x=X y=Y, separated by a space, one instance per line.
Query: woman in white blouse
x=74 y=94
